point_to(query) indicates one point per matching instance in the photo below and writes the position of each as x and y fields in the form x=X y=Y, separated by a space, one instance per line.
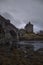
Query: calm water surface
x=36 y=44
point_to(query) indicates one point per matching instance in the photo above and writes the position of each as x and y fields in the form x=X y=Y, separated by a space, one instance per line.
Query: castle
x=29 y=27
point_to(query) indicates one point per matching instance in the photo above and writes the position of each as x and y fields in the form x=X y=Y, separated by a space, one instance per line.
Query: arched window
x=13 y=33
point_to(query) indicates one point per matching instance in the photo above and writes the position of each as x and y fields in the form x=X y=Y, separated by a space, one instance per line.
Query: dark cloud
x=21 y=11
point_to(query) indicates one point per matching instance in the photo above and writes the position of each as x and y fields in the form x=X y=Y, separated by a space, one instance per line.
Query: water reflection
x=36 y=44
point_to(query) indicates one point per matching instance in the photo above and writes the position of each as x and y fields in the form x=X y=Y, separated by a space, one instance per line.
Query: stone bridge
x=8 y=27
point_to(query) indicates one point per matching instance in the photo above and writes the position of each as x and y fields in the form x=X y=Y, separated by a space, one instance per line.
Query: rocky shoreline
x=17 y=56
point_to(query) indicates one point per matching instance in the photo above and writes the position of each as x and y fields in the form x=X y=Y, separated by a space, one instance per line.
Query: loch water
x=36 y=44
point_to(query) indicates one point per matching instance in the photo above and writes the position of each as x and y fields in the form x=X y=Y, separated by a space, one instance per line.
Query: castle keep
x=29 y=27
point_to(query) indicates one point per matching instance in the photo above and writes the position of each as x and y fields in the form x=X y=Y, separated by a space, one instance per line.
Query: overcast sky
x=21 y=12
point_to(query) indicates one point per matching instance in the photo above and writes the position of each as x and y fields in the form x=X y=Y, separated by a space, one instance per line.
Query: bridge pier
x=17 y=36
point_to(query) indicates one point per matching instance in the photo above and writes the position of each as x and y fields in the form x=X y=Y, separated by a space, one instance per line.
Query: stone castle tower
x=29 y=27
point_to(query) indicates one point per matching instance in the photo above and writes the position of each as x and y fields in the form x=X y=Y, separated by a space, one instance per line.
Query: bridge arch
x=13 y=33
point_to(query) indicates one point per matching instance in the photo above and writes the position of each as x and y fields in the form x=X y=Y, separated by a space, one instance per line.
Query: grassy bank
x=31 y=36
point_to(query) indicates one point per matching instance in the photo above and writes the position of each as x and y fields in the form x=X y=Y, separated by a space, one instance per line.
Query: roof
x=29 y=24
